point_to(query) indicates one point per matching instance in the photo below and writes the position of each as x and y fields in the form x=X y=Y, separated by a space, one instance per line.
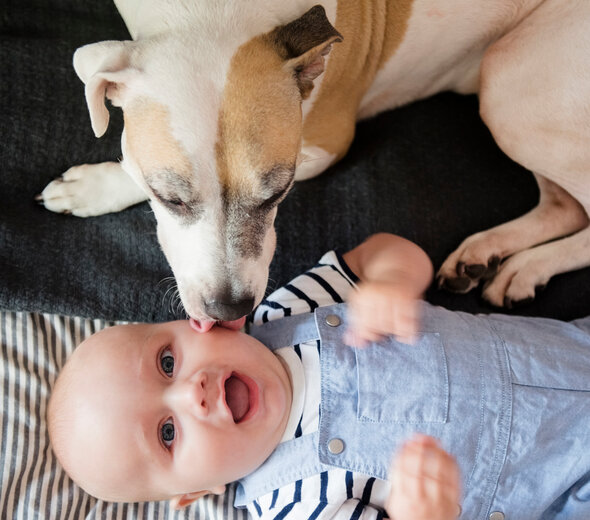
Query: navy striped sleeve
x=323 y=496
x=301 y=295
x=326 y=286
x=347 y=270
x=349 y=484
x=275 y=495
x=365 y=500
x=296 y=499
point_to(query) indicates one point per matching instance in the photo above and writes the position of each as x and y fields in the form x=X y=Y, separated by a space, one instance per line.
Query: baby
x=307 y=412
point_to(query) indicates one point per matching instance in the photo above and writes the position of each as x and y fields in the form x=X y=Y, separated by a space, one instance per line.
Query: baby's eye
x=167 y=433
x=167 y=362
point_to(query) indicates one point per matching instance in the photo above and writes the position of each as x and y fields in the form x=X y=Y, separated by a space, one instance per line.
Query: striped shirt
x=336 y=493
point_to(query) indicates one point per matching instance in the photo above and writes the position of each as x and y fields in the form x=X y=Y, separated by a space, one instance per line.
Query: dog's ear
x=105 y=70
x=305 y=42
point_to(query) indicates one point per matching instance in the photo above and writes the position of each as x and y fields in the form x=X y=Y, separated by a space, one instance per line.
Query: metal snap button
x=336 y=446
x=497 y=515
x=332 y=320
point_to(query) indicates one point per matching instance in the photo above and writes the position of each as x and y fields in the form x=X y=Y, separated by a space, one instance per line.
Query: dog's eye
x=270 y=203
x=274 y=200
x=277 y=183
x=175 y=203
x=179 y=200
x=191 y=209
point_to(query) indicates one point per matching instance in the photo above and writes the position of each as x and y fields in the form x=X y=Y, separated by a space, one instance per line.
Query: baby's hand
x=379 y=309
x=424 y=482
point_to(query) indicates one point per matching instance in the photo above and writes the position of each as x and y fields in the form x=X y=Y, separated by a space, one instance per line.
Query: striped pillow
x=34 y=348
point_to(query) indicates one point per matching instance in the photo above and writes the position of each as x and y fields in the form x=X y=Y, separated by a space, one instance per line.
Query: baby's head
x=161 y=412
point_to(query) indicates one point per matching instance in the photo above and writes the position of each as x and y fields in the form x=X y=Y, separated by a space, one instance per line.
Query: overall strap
x=292 y=461
x=287 y=331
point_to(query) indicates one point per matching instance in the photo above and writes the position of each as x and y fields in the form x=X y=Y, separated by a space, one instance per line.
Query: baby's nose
x=191 y=395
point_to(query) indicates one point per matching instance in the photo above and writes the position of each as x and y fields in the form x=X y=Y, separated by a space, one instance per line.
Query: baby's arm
x=424 y=482
x=394 y=273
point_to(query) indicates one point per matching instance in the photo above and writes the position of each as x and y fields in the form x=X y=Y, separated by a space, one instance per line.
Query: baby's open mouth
x=237 y=397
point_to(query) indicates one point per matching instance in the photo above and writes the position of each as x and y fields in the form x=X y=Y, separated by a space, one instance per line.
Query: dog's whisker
x=175 y=308
x=171 y=294
x=174 y=297
x=270 y=287
x=177 y=302
x=172 y=291
x=167 y=279
x=169 y=299
x=180 y=310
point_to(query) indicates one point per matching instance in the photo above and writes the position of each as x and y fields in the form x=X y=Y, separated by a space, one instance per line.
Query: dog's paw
x=475 y=259
x=518 y=280
x=91 y=189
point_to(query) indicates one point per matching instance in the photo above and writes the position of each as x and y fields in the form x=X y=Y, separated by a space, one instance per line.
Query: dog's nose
x=228 y=309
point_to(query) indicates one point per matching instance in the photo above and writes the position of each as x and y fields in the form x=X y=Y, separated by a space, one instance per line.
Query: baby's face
x=162 y=410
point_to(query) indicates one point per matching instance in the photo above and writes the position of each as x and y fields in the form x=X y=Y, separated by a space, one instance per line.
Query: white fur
x=89 y=190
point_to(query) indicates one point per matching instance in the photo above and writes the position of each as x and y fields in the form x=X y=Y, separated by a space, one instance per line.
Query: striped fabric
x=34 y=348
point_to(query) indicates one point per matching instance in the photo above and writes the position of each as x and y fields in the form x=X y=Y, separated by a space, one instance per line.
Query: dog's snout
x=226 y=308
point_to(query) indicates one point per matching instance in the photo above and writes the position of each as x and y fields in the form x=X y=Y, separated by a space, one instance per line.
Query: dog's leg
x=313 y=160
x=479 y=256
x=520 y=275
x=327 y=136
x=534 y=102
x=92 y=189
x=328 y=132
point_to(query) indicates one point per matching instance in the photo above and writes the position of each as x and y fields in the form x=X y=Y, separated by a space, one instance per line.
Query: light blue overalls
x=508 y=396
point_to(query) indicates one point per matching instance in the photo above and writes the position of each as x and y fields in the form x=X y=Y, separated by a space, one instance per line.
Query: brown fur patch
x=372 y=31
x=260 y=116
x=150 y=141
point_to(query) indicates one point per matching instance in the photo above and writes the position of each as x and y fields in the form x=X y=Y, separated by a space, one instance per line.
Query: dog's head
x=212 y=133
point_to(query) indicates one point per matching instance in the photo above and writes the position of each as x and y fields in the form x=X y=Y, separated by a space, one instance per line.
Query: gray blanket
x=430 y=172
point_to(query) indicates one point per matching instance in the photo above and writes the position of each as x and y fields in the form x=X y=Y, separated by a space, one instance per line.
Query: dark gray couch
x=430 y=172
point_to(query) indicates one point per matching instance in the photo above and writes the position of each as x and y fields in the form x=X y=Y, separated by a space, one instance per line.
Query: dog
x=226 y=104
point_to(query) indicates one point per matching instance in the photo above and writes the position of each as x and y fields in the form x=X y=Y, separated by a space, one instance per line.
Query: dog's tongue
x=205 y=325
x=201 y=325
x=237 y=397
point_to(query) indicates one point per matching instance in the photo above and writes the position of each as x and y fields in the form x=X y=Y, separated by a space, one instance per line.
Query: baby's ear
x=182 y=501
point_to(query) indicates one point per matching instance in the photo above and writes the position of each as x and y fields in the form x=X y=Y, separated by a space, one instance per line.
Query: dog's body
x=225 y=103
